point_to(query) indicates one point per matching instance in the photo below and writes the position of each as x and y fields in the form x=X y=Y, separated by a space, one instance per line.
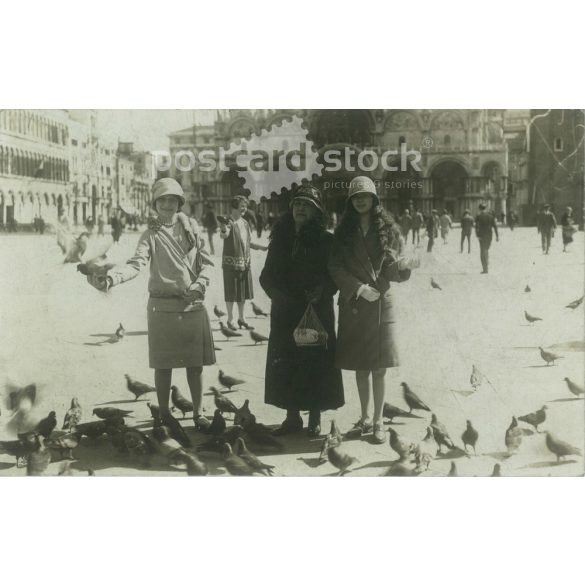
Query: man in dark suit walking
x=547 y=224
x=484 y=224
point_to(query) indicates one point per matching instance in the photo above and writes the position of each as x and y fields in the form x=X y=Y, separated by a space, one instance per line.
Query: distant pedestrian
x=42 y=225
x=209 y=222
x=547 y=224
x=89 y=224
x=417 y=222
x=512 y=220
x=100 y=224
x=406 y=224
x=467 y=224
x=446 y=224
x=117 y=228
x=568 y=227
x=236 y=261
x=259 y=223
x=12 y=225
x=485 y=222
x=432 y=226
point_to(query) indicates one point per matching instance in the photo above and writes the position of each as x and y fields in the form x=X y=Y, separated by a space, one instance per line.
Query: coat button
x=354 y=311
x=180 y=317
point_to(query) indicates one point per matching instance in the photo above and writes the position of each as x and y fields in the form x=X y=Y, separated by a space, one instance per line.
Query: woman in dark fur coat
x=295 y=274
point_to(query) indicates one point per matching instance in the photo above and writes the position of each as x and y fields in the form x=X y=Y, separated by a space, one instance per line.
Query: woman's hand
x=102 y=282
x=194 y=293
x=370 y=294
x=314 y=296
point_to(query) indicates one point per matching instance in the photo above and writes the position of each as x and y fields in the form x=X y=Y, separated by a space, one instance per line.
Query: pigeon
x=138 y=445
x=227 y=381
x=177 y=431
x=233 y=433
x=120 y=332
x=574 y=387
x=261 y=435
x=218 y=312
x=426 y=450
x=476 y=377
x=180 y=402
x=469 y=436
x=531 y=318
x=94 y=429
x=453 y=470
x=20 y=448
x=323 y=458
x=435 y=284
x=154 y=410
x=222 y=403
x=39 y=458
x=391 y=412
x=73 y=415
x=399 y=469
x=233 y=463
x=20 y=396
x=549 y=357
x=257 y=337
x=76 y=248
x=227 y=332
x=243 y=415
x=497 y=472
x=440 y=433
x=534 y=418
x=251 y=459
x=217 y=426
x=195 y=467
x=47 y=425
x=96 y=266
x=258 y=311
x=574 y=304
x=335 y=436
x=110 y=412
x=513 y=438
x=340 y=459
x=137 y=388
x=527 y=289
x=401 y=447
x=560 y=448
x=413 y=401
x=65 y=444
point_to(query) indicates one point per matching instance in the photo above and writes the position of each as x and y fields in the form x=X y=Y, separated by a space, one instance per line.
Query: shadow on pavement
x=540 y=464
x=566 y=399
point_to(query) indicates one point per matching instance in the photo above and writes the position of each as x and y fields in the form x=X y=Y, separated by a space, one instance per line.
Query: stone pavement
x=56 y=332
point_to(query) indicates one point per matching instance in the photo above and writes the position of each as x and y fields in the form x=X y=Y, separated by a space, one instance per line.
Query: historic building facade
x=462 y=156
x=53 y=163
x=34 y=164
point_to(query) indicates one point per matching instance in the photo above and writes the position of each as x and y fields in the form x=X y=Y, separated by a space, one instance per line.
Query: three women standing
x=236 y=260
x=363 y=263
x=295 y=274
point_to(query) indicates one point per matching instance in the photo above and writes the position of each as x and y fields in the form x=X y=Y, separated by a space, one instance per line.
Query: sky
x=148 y=129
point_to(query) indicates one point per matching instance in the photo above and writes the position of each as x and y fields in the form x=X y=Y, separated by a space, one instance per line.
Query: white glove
x=370 y=294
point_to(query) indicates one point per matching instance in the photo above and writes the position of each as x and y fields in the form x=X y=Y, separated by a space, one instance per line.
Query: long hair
x=389 y=237
x=284 y=233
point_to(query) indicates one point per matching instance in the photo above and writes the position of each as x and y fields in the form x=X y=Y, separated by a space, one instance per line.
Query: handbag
x=310 y=331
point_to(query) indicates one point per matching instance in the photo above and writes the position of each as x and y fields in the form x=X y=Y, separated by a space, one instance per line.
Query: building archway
x=345 y=126
x=449 y=185
x=401 y=189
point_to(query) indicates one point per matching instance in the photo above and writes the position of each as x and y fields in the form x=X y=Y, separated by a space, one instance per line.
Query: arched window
x=9 y=161
x=447 y=140
x=401 y=140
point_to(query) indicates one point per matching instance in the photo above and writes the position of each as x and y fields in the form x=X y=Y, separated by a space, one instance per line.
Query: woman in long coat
x=363 y=264
x=179 y=331
x=295 y=273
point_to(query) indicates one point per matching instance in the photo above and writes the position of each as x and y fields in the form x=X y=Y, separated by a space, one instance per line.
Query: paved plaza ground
x=56 y=331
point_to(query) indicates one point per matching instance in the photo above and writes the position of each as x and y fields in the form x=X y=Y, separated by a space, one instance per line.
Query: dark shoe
x=314 y=426
x=242 y=323
x=288 y=427
x=231 y=326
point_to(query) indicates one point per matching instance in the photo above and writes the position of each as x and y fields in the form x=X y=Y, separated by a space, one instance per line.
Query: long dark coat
x=300 y=378
x=366 y=338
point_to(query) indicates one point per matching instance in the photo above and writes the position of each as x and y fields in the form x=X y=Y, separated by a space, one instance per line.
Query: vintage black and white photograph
x=292 y=292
